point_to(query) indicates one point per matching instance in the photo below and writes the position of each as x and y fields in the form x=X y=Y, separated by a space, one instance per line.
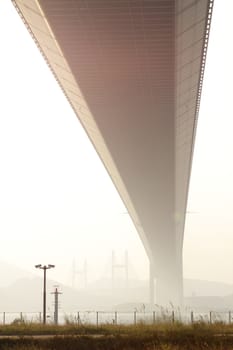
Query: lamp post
x=44 y=267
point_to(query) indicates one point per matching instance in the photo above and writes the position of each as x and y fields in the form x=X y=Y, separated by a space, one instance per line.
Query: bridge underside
x=132 y=71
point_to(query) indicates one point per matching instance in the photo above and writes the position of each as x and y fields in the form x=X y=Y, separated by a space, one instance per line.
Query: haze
x=56 y=199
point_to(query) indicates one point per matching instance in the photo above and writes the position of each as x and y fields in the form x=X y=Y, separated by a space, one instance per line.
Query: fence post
x=191 y=316
x=97 y=318
x=210 y=317
x=21 y=316
x=4 y=318
x=115 y=317
x=78 y=316
x=153 y=317
x=135 y=317
x=173 y=316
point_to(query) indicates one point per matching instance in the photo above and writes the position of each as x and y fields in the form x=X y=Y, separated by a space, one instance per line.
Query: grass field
x=108 y=337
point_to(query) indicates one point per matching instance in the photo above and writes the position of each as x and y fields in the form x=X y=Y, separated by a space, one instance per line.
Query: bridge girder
x=132 y=71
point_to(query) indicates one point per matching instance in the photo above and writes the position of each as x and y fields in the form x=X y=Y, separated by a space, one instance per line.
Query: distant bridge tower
x=82 y=272
x=124 y=266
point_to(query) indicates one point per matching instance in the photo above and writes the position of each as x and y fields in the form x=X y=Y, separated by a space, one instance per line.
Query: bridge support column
x=169 y=286
x=151 y=286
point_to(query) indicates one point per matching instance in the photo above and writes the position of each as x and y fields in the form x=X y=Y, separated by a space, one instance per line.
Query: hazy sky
x=56 y=200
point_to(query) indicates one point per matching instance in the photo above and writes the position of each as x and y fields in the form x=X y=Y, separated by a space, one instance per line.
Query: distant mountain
x=9 y=273
x=26 y=295
x=206 y=288
x=191 y=287
x=22 y=291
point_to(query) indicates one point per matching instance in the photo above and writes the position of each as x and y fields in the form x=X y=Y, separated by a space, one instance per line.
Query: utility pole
x=56 y=304
x=44 y=268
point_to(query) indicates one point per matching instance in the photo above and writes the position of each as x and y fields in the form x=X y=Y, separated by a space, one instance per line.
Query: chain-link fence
x=121 y=318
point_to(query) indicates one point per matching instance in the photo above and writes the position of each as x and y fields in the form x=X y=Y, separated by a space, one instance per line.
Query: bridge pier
x=166 y=285
x=169 y=291
x=151 y=286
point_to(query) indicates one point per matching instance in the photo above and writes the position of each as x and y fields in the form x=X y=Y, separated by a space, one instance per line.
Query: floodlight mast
x=38 y=266
x=44 y=267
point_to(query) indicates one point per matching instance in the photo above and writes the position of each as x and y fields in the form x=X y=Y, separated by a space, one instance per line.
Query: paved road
x=50 y=336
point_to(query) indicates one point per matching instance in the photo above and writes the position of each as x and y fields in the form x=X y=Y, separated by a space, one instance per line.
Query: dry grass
x=162 y=336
